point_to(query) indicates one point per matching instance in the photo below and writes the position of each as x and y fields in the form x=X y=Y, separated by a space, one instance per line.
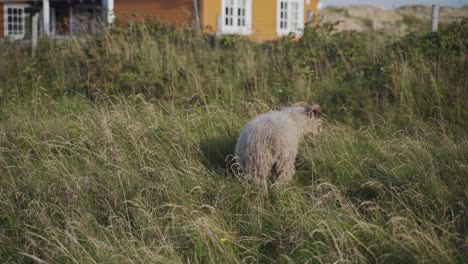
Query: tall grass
x=140 y=170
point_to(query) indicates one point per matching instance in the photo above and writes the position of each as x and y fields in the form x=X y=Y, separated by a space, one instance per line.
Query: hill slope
x=395 y=21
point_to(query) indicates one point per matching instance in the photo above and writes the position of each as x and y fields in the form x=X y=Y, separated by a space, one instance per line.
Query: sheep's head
x=314 y=123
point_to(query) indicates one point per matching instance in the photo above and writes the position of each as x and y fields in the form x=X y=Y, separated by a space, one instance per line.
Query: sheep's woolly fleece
x=268 y=144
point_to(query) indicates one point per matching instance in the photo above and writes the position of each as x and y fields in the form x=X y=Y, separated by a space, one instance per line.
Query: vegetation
x=117 y=148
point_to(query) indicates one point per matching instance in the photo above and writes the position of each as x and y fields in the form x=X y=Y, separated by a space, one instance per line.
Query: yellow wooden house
x=261 y=19
x=258 y=19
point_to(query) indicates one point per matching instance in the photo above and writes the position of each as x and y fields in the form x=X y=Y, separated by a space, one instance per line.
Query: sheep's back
x=270 y=132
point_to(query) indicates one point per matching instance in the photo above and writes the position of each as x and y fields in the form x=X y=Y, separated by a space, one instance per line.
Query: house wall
x=264 y=19
x=209 y=10
x=2 y=25
x=263 y=16
x=311 y=7
x=168 y=11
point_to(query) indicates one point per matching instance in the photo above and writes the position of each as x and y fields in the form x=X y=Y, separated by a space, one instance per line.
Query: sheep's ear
x=316 y=110
x=311 y=110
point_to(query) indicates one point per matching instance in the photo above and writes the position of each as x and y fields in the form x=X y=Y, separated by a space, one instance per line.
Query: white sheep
x=268 y=144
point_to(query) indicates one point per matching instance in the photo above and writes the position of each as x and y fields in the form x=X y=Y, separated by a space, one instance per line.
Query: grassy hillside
x=398 y=21
x=117 y=148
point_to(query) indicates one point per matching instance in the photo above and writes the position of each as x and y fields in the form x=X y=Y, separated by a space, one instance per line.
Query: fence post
x=46 y=16
x=310 y=17
x=34 y=27
x=196 y=13
x=434 y=18
x=219 y=23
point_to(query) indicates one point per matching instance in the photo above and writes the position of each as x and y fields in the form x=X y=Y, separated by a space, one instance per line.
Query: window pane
x=227 y=11
x=227 y=21
x=239 y=22
x=15 y=19
x=20 y=11
x=15 y=27
x=15 y=11
x=10 y=19
x=10 y=11
x=20 y=28
x=20 y=19
x=10 y=27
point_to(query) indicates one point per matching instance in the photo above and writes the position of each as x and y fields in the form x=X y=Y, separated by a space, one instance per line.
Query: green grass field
x=118 y=149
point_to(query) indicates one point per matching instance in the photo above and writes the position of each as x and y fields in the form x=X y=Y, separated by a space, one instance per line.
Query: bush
x=360 y=72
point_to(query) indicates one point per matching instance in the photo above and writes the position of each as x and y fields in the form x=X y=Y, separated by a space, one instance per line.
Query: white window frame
x=298 y=29
x=245 y=29
x=5 y=20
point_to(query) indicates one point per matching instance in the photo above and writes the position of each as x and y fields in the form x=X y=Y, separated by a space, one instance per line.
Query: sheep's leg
x=285 y=169
x=258 y=169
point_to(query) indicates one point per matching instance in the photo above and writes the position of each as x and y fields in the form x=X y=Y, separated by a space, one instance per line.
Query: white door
x=290 y=17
